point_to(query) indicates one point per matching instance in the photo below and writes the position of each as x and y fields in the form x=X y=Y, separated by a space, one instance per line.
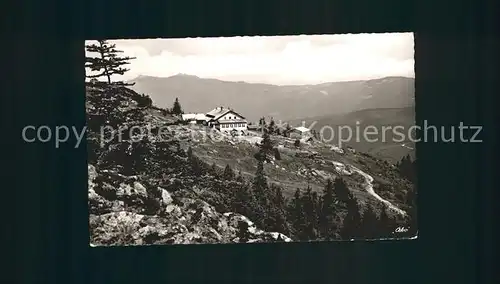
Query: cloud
x=276 y=60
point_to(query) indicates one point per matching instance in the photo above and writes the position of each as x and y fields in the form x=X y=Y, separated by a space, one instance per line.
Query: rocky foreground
x=121 y=218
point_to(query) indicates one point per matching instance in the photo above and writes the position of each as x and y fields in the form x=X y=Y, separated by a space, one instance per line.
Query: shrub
x=165 y=112
x=143 y=101
x=297 y=143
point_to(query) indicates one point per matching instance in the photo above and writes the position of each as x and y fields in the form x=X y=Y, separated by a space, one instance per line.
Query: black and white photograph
x=303 y=138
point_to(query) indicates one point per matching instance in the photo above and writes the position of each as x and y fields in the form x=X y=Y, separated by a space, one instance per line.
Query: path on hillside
x=369 y=189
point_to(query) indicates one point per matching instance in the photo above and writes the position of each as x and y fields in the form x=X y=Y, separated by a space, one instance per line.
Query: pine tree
x=341 y=190
x=317 y=210
x=328 y=212
x=228 y=173
x=266 y=144
x=277 y=220
x=242 y=199
x=309 y=206
x=177 y=109
x=271 y=128
x=407 y=168
x=287 y=131
x=265 y=147
x=351 y=225
x=260 y=193
x=108 y=61
x=260 y=180
x=296 y=214
x=370 y=223
x=262 y=121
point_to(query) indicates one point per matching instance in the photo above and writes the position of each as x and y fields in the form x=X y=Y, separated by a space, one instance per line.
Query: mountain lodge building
x=226 y=119
x=300 y=132
x=221 y=118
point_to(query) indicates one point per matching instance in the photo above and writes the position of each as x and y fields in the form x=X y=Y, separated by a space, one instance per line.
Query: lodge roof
x=302 y=129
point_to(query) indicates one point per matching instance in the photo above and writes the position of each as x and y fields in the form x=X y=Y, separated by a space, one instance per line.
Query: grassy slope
x=290 y=173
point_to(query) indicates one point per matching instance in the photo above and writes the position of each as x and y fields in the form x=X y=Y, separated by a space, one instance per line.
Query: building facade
x=227 y=120
x=300 y=132
x=223 y=119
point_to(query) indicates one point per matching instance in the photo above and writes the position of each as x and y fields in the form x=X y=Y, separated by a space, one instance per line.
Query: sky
x=280 y=60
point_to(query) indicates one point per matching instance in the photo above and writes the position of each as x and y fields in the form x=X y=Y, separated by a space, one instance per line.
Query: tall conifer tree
x=107 y=63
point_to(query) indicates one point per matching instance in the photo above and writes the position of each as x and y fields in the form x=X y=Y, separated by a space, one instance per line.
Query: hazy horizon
x=276 y=60
x=281 y=85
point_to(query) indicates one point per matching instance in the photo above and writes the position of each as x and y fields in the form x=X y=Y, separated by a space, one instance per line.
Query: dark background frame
x=455 y=68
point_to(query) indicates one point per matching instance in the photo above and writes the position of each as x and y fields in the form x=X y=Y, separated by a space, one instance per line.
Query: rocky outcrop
x=121 y=216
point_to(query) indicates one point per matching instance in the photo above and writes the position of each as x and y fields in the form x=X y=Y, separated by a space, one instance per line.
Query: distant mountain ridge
x=255 y=100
